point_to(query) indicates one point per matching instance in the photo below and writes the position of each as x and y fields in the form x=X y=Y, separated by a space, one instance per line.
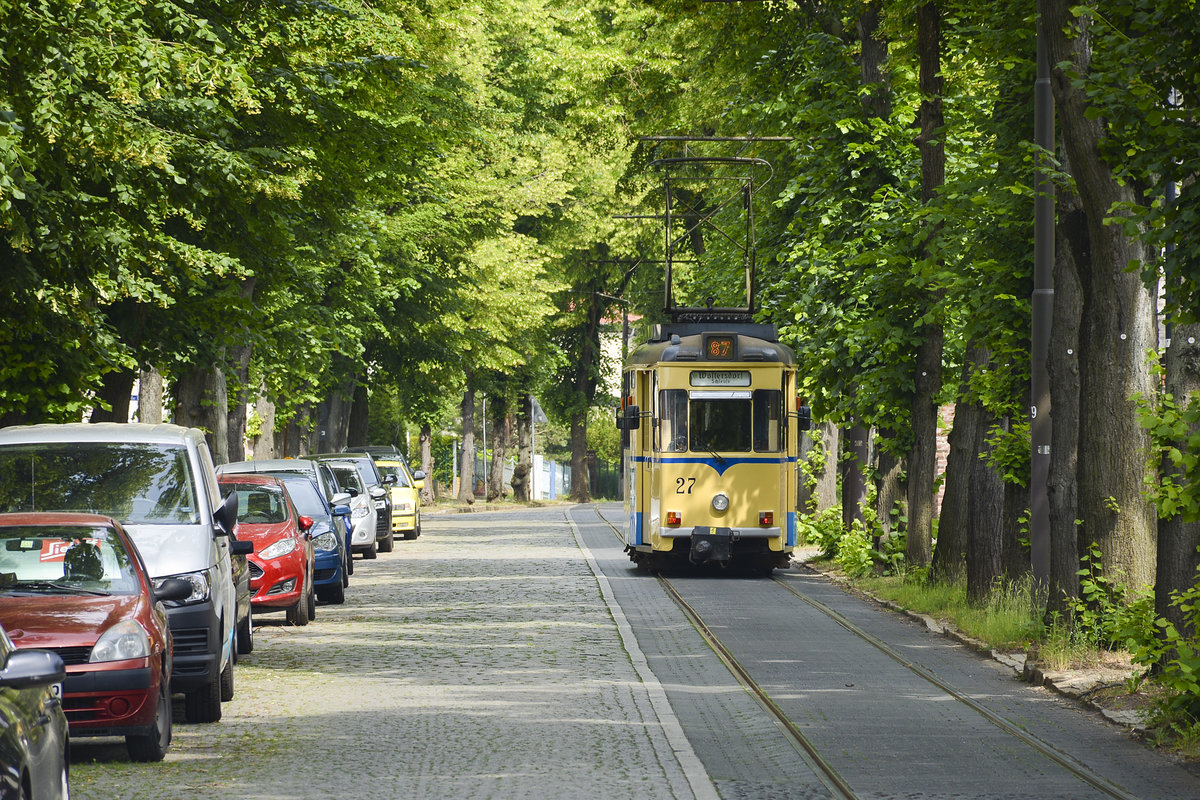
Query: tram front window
x=673 y=420
x=721 y=424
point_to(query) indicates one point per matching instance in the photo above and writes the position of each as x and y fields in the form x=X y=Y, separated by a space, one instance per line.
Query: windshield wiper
x=43 y=587
x=704 y=445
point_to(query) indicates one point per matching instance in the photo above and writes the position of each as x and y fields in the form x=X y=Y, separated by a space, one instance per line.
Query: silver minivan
x=159 y=482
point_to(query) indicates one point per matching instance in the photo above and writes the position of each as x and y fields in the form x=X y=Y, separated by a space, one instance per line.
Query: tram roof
x=685 y=342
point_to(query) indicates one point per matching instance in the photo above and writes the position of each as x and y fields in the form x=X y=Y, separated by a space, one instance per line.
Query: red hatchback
x=75 y=584
x=281 y=567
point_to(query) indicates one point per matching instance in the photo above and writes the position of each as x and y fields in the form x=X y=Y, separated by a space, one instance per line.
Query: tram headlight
x=720 y=501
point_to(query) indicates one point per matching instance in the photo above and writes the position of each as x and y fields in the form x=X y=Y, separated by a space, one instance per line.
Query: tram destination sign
x=720 y=377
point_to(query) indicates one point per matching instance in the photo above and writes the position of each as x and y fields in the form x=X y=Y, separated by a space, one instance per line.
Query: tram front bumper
x=715 y=545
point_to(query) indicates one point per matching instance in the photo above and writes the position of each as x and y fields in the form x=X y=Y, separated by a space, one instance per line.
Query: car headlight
x=360 y=512
x=280 y=548
x=326 y=541
x=127 y=639
x=720 y=501
x=403 y=507
x=200 y=587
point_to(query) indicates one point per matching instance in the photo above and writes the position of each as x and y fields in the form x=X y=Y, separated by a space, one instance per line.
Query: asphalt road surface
x=519 y=655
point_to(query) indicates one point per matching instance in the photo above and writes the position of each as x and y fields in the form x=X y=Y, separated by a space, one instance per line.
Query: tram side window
x=720 y=424
x=672 y=420
x=768 y=436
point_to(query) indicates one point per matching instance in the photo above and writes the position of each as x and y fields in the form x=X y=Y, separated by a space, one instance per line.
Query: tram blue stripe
x=720 y=465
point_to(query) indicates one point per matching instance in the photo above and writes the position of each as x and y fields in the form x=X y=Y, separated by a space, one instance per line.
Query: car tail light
x=766 y=518
x=673 y=518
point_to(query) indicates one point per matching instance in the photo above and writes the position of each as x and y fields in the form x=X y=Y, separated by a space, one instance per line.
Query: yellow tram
x=711 y=429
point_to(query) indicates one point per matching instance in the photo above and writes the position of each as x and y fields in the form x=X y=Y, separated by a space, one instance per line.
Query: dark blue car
x=330 y=543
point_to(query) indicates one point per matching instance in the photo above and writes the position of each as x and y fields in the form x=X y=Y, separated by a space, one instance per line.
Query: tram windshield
x=728 y=421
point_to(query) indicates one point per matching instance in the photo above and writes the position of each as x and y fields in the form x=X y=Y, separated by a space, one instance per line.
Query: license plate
x=381 y=504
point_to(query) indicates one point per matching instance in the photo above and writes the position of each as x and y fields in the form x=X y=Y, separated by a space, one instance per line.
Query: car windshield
x=401 y=476
x=258 y=504
x=347 y=476
x=305 y=497
x=65 y=559
x=136 y=483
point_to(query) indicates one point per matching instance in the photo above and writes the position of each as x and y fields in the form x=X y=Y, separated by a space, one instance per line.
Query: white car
x=362 y=509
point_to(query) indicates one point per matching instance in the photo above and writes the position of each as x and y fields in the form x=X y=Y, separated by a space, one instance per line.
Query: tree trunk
x=501 y=432
x=1178 y=540
x=949 y=558
x=521 y=483
x=466 y=488
x=825 y=495
x=1117 y=330
x=200 y=402
x=150 y=396
x=1015 y=557
x=985 y=510
x=890 y=488
x=580 y=491
x=263 y=445
x=922 y=460
x=854 y=462
x=116 y=392
x=1062 y=364
x=236 y=424
x=360 y=415
x=425 y=446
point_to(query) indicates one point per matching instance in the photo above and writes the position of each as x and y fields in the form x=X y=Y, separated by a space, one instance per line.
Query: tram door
x=635 y=451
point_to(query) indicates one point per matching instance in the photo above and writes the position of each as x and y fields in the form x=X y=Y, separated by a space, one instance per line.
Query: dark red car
x=282 y=565
x=76 y=585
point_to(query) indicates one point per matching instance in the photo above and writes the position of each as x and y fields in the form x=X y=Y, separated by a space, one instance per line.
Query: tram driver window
x=768 y=410
x=672 y=421
x=721 y=424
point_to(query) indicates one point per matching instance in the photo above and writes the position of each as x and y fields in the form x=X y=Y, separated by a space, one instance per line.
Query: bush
x=1176 y=660
x=822 y=530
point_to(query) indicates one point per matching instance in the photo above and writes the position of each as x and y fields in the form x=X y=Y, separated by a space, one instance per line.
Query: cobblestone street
x=478 y=661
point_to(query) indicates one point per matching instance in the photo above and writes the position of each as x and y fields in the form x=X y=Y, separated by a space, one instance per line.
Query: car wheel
x=298 y=614
x=371 y=552
x=416 y=531
x=227 y=682
x=245 y=636
x=312 y=600
x=204 y=704
x=153 y=746
x=335 y=595
x=349 y=567
x=386 y=544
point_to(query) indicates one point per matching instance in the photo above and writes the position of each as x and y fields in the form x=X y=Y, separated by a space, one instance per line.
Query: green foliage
x=822 y=530
x=1175 y=437
x=1174 y=657
x=1107 y=614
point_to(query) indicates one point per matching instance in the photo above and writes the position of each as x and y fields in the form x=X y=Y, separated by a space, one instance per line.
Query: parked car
x=406 y=496
x=376 y=486
x=75 y=584
x=363 y=515
x=283 y=563
x=33 y=728
x=158 y=481
x=330 y=553
x=320 y=473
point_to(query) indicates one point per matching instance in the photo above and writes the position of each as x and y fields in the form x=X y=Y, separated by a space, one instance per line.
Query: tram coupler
x=711 y=544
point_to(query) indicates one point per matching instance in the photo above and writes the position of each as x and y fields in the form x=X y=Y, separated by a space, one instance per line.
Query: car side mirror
x=389 y=480
x=226 y=515
x=27 y=668
x=173 y=590
x=803 y=418
x=241 y=547
x=305 y=522
x=339 y=499
x=341 y=510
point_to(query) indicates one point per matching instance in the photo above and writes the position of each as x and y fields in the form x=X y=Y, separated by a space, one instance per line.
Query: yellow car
x=406 y=497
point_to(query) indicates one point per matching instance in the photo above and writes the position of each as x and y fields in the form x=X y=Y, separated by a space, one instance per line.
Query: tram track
x=838 y=787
